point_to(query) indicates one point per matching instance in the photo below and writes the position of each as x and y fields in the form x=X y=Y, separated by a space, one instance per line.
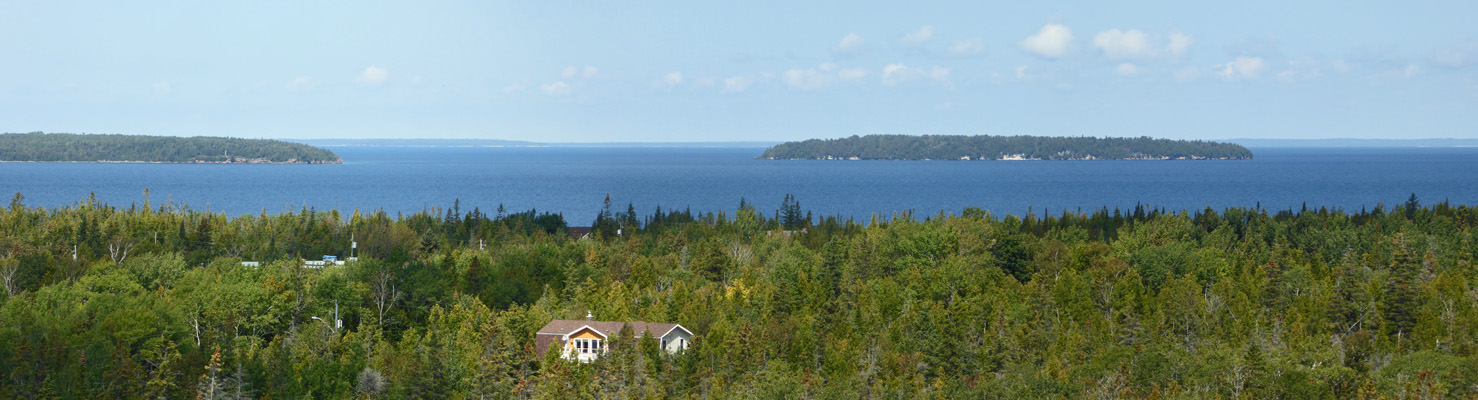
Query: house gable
x=586 y=333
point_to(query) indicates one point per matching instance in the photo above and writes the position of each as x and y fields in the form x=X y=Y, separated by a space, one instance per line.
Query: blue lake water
x=573 y=181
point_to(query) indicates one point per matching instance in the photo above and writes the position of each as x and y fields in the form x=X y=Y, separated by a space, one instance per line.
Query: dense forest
x=63 y=147
x=944 y=147
x=152 y=301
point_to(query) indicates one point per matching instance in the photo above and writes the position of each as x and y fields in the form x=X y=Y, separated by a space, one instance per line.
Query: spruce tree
x=1401 y=290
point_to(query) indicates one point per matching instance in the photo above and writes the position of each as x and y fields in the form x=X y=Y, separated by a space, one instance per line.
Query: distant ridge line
x=513 y=143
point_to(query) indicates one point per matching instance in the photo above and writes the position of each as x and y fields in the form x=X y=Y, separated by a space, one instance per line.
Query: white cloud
x=571 y=72
x=1242 y=68
x=1411 y=70
x=1134 y=44
x=812 y=78
x=919 y=37
x=299 y=83
x=851 y=43
x=1179 y=44
x=1021 y=73
x=736 y=84
x=163 y=87
x=966 y=48
x=894 y=74
x=939 y=73
x=1300 y=69
x=556 y=89
x=372 y=76
x=1131 y=44
x=1128 y=69
x=672 y=79
x=1052 y=41
x=850 y=74
x=893 y=69
x=806 y=79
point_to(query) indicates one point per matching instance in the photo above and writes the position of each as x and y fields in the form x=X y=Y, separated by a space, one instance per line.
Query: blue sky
x=753 y=70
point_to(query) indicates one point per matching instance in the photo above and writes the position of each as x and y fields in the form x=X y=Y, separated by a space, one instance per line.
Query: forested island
x=946 y=147
x=165 y=301
x=67 y=147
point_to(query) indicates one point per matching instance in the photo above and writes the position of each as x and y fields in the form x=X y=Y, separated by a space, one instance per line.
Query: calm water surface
x=573 y=181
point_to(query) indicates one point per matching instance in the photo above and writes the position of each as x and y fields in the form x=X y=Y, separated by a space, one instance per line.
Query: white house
x=585 y=340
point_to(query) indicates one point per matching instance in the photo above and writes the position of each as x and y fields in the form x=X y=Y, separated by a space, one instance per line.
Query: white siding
x=677 y=340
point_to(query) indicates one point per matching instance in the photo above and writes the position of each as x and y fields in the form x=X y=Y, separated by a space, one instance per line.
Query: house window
x=587 y=346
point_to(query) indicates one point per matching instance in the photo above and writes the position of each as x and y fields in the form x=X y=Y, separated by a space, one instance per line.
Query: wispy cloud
x=1132 y=43
x=809 y=79
x=1127 y=69
x=736 y=84
x=672 y=79
x=1179 y=44
x=299 y=83
x=1300 y=70
x=918 y=37
x=1242 y=68
x=1022 y=74
x=895 y=74
x=572 y=72
x=852 y=43
x=556 y=89
x=1459 y=56
x=967 y=48
x=372 y=76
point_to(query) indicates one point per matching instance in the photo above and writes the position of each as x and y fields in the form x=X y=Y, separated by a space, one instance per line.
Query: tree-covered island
x=947 y=147
x=67 y=147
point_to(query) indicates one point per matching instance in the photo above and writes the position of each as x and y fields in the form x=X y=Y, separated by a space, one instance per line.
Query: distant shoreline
x=1002 y=148
x=1368 y=143
x=168 y=162
x=515 y=143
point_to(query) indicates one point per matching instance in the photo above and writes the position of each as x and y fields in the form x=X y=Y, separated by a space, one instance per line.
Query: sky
x=563 y=71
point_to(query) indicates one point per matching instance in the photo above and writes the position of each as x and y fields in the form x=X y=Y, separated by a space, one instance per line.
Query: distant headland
x=945 y=147
x=67 y=147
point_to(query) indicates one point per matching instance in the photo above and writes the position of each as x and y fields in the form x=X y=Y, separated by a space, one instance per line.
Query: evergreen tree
x=605 y=224
x=790 y=214
x=1401 y=297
